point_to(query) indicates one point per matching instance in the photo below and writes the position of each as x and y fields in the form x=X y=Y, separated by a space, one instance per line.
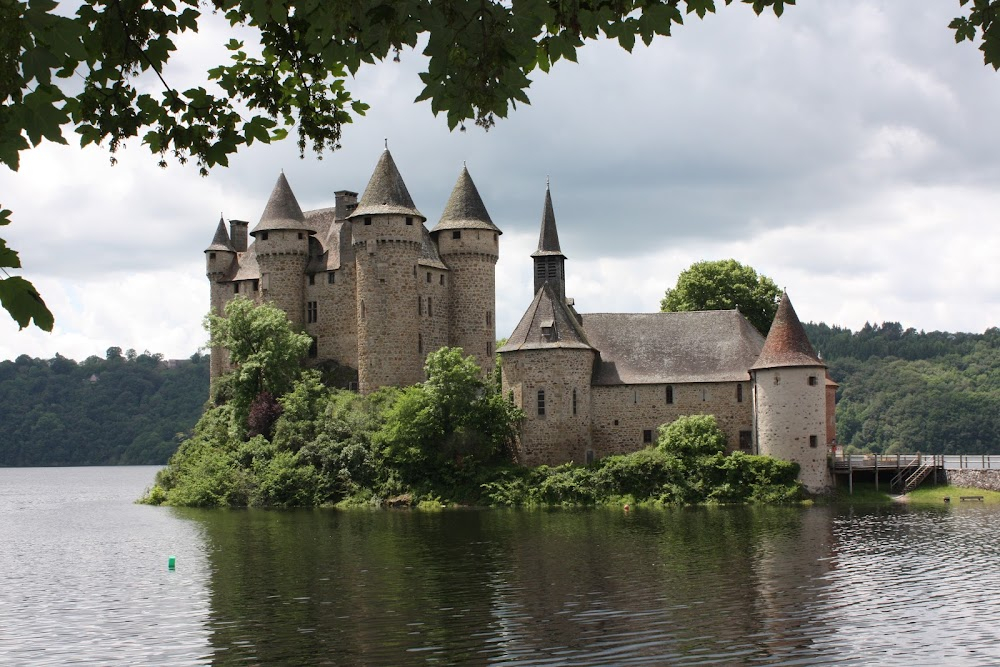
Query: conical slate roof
x=221 y=240
x=787 y=344
x=465 y=208
x=548 y=323
x=386 y=192
x=282 y=210
x=548 y=238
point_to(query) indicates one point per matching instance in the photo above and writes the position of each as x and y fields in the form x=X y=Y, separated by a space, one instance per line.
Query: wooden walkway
x=909 y=470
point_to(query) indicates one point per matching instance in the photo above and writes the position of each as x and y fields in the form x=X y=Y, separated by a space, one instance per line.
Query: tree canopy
x=90 y=71
x=725 y=284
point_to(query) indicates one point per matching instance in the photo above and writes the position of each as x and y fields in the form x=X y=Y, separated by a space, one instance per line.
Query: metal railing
x=901 y=461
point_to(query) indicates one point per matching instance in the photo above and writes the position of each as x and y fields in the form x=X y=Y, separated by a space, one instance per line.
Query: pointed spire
x=465 y=208
x=282 y=210
x=548 y=237
x=787 y=343
x=386 y=193
x=221 y=240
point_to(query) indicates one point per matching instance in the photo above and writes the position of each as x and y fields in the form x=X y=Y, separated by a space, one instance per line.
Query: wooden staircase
x=910 y=478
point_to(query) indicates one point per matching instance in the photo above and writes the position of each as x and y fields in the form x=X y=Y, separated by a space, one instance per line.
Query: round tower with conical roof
x=790 y=399
x=469 y=243
x=220 y=258
x=387 y=232
x=281 y=241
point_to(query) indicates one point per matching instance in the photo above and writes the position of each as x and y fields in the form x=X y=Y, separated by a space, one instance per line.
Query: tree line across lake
x=124 y=409
x=901 y=391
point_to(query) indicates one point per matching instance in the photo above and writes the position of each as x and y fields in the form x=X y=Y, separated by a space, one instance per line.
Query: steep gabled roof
x=661 y=348
x=787 y=344
x=429 y=252
x=465 y=208
x=221 y=240
x=386 y=192
x=282 y=210
x=547 y=312
x=548 y=237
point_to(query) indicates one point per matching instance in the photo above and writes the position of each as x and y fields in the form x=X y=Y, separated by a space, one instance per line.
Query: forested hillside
x=910 y=391
x=124 y=409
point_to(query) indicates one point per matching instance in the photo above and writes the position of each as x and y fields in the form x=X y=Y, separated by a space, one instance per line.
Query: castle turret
x=220 y=258
x=387 y=232
x=550 y=262
x=281 y=242
x=790 y=399
x=469 y=243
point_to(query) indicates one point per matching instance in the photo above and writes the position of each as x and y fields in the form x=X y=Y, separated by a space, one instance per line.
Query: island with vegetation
x=276 y=435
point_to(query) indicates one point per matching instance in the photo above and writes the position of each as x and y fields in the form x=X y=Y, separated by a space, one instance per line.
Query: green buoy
x=171 y=562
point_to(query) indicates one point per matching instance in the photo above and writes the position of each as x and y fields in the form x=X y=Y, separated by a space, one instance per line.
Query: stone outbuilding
x=598 y=384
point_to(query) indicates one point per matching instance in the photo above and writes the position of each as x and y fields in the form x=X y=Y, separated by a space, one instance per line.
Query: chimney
x=238 y=234
x=347 y=201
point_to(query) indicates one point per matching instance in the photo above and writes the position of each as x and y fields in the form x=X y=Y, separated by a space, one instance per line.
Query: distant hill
x=126 y=410
x=913 y=391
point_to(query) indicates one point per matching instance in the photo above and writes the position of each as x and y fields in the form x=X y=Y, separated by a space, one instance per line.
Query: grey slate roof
x=429 y=252
x=787 y=344
x=548 y=237
x=221 y=240
x=661 y=348
x=246 y=265
x=386 y=192
x=546 y=310
x=282 y=210
x=465 y=208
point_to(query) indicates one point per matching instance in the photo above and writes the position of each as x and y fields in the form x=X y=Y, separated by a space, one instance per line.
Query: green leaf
x=20 y=298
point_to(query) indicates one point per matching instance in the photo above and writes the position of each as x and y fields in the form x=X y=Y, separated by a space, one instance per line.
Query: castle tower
x=281 y=241
x=469 y=243
x=548 y=364
x=790 y=399
x=219 y=259
x=550 y=262
x=387 y=231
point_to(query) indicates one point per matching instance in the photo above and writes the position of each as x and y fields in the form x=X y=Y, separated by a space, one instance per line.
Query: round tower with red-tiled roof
x=790 y=400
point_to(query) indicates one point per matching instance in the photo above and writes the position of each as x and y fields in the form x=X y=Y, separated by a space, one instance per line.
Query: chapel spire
x=550 y=262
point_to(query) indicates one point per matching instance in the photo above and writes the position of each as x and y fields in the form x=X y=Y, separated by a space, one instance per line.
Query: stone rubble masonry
x=282 y=260
x=976 y=479
x=622 y=413
x=559 y=435
x=472 y=259
x=791 y=420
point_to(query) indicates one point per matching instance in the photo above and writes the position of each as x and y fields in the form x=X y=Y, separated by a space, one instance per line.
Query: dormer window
x=549 y=329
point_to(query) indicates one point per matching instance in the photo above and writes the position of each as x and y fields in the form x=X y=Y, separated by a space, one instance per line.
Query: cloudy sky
x=848 y=150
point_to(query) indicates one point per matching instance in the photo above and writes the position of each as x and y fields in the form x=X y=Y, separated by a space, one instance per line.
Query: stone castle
x=365 y=279
x=377 y=292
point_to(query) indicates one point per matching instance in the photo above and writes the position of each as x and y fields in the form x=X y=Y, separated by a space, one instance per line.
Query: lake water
x=84 y=580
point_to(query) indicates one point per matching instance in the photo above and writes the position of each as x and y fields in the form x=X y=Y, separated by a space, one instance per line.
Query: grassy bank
x=935 y=495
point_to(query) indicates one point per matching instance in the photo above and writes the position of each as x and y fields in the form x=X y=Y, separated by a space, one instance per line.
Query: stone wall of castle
x=626 y=418
x=472 y=258
x=433 y=287
x=336 y=326
x=560 y=430
x=386 y=250
x=791 y=420
x=282 y=260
